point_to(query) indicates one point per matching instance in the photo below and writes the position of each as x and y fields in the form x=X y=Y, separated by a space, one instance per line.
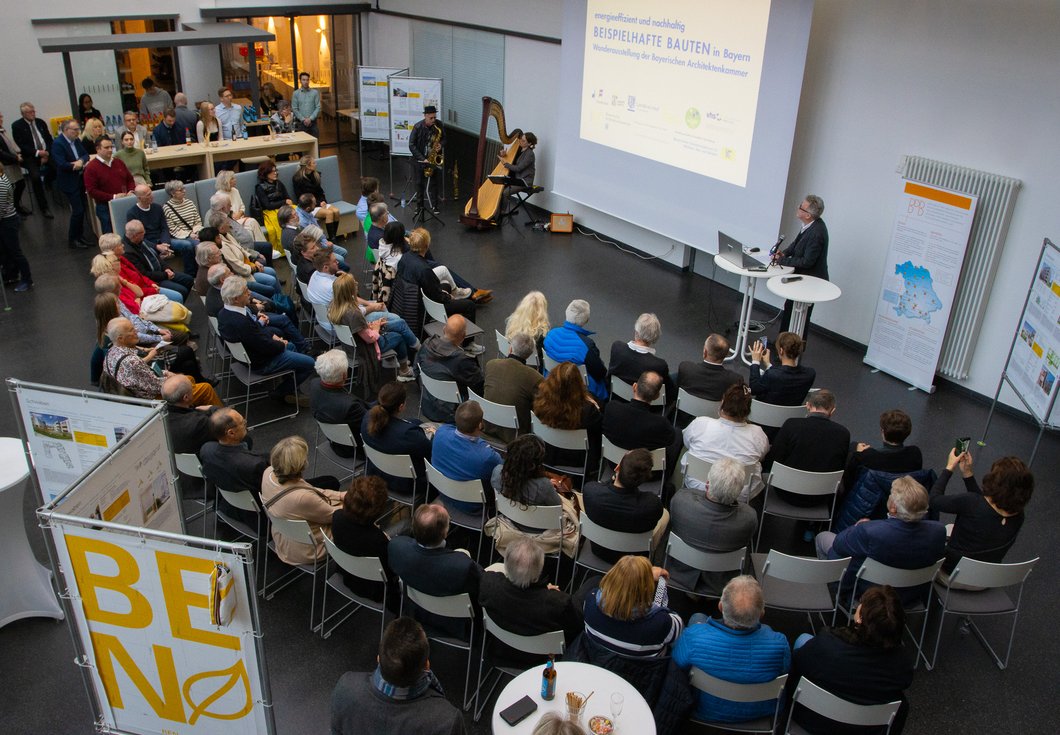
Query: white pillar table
x=26 y=583
x=748 y=283
x=805 y=292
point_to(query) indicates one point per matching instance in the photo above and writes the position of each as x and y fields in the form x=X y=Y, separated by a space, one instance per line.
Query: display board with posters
x=68 y=431
x=375 y=101
x=408 y=97
x=921 y=273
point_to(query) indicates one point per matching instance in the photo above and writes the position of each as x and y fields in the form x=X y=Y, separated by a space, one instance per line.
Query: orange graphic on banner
x=937 y=195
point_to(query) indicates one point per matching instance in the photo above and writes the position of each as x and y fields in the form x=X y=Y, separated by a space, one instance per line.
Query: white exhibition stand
x=26 y=583
x=748 y=283
x=805 y=292
x=573 y=676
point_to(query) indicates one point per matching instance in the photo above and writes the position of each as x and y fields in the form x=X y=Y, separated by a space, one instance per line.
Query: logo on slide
x=692 y=118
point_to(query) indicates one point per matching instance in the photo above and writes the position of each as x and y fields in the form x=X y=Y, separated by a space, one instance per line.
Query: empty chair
x=298 y=532
x=543 y=644
x=244 y=501
x=824 y=485
x=824 y=703
x=188 y=464
x=991 y=597
x=704 y=682
x=339 y=434
x=800 y=583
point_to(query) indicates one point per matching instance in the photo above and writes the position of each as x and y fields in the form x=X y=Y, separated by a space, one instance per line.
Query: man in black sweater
x=893 y=456
x=621 y=506
x=634 y=425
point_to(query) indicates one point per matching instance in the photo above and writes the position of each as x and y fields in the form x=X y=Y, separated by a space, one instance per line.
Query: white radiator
x=997 y=199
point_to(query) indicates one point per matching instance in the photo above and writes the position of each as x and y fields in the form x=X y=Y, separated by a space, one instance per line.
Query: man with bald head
x=107 y=178
x=189 y=426
x=709 y=378
x=442 y=357
x=156 y=230
x=184 y=118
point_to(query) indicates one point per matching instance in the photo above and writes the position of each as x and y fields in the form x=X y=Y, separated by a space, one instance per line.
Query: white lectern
x=748 y=283
x=26 y=583
x=805 y=292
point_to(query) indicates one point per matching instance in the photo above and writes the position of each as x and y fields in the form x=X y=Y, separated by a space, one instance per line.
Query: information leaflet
x=920 y=280
x=408 y=97
x=374 y=101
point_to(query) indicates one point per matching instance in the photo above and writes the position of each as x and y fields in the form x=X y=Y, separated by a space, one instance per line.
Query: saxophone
x=435 y=157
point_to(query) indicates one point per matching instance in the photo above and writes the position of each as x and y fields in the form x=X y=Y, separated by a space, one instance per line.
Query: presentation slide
x=679 y=117
x=679 y=85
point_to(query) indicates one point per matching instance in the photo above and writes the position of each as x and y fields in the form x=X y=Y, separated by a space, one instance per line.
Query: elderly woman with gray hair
x=263 y=278
x=518 y=600
x=572 y=342
x=226 y=184
x=207 y=255
x=630 y=360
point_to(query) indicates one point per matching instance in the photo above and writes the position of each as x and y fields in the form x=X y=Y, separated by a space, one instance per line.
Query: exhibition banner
x=1034 y=360
x=167 y=629
x=408 y=97
x=920 y=278
x=70 y=431
x=374 y=101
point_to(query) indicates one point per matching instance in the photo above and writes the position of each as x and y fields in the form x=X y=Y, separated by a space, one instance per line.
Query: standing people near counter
x=305 y=103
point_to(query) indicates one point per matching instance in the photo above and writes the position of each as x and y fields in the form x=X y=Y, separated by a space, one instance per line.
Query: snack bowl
x=600 y=725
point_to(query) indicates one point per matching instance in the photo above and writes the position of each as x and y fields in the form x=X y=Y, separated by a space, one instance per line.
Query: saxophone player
x=426 y=144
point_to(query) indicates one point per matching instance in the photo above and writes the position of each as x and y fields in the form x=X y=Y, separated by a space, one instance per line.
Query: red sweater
x=102 y=182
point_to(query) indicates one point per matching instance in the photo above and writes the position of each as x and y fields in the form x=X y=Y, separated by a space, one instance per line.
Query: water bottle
x=244 y=128
x=187 y=136
x=548 y=681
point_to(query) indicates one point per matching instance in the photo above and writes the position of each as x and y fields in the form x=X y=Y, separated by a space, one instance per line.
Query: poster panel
x=68 y=432
x=141 y=609
x=1034 y=361
x=374 y=101
x=408 y=97
x=921 y=273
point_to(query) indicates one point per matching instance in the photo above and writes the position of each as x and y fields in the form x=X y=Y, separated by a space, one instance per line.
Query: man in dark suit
x=814 y=443
x=424 y=563
x=634 y=425
x=229 y=462
x=70 y=157
x=710 y=378
x=145 y=258
x=331 y=403
x=510 y=381
x=268 y=353
x=35 y=142
x=519 y=601
x=188 y=426
x=621 y=505
x=808 y=252
x=629 y=360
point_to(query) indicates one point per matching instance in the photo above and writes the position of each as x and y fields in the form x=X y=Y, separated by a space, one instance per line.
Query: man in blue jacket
x=70 y=158
x=738 y=648
x=572 y=342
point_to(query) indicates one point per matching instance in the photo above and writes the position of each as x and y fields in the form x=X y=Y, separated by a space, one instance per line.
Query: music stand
x=423 y=212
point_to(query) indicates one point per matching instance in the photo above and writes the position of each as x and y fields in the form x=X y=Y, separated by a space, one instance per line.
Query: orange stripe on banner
x=954 y=200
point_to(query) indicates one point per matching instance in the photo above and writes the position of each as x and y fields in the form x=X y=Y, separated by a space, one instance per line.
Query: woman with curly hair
x=354 y=530
x=563 y=402
x=530 y=317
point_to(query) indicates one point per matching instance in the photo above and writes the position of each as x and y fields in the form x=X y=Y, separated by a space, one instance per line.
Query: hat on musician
x=429 y=109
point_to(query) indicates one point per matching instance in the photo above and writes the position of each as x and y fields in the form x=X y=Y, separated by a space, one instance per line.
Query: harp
x=482 y=208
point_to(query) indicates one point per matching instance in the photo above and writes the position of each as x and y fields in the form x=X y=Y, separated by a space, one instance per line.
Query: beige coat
x=235 y=257
x=304 y=504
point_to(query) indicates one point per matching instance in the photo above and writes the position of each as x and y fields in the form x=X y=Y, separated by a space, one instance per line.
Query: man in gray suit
x=713 y=521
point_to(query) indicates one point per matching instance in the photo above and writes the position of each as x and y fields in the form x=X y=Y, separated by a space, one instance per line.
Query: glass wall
x=325 y=46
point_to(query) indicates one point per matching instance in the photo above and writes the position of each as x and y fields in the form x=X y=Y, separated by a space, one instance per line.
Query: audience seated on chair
x=709 y=378
x=738 y=648
x=630 y=360
x=188 y=426
x=207 y=255
x=633 y=425
x=230 y=463
x=521 y=602
x=245 y=230
x=355 y=530
x=572 y=342
x=531 y=318
x=522 y=480
x=329 y=400
x=729 y=435
x=460 y=453
x=628 y=612
x=286 y=494
x=864 y=663
x=443 y=358
x=988 y=518
x=563 y=402
x=383 y=429
x=424 y=563
x=374 y=329
x=903 y=539
x=714 y=521
x=402 y=695
x=511 y=382
x=892 y=456
x=619 y=505
x=414 y=268
x=379 y=213
x=147 y=259
x=133 y=372
x=785 y=384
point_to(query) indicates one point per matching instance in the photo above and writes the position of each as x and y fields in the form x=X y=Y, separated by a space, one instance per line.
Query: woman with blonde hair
x=93 y=131
x=378 y=335
x=226 y=184
x=563 y=402
x=530 y=317
x=307 y=180
x=208 y=129
x=285 y=494
x=628 y=613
